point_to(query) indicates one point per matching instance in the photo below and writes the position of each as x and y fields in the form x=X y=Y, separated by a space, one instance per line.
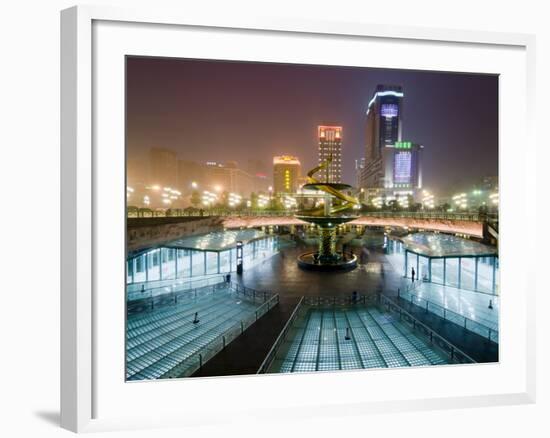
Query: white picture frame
x=85 y=174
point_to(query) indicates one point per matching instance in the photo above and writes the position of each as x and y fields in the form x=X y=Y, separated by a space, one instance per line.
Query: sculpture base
x=312 y=262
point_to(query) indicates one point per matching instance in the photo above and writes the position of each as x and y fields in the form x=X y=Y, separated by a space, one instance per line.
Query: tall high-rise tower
x=330 y=144
x=384 y=128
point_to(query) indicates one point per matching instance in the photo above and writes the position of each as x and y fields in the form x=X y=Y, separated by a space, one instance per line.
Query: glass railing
x=449 y=315
x=169 y=287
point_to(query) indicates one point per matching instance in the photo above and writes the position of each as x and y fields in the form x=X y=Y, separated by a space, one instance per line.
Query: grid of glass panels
x=162 y=339
x=351 y=338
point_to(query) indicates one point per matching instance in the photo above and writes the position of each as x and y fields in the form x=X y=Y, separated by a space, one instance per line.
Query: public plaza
x=192 y=311
x=368 y=242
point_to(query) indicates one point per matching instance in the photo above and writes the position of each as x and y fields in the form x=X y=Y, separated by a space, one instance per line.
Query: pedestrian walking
x=412 y=274
x=196 y=319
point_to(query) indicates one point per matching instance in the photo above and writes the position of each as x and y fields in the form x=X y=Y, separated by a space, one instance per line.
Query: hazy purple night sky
x=219 y=111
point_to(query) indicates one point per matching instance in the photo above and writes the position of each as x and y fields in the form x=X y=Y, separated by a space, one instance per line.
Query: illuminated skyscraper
x=330 y=144
x=286 y=174
x=384 y=128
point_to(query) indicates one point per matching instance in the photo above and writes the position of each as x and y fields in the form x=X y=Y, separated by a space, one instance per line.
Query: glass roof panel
x=444 y=245
x=217 y=241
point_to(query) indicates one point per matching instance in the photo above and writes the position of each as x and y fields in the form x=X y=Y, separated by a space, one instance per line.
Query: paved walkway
x=281 y=274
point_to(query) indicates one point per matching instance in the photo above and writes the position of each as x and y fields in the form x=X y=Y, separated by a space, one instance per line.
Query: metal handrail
x=339 y=300
x=456 y=353
x=158 y=284
x=250 y=292
x=176 y=286
x=469 y=216
x=280 y=339
x=446 y=311
x=201 y=354
x=151 y=302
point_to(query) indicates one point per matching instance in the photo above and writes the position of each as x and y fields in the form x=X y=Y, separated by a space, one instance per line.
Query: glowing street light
x=428 y=200
x=461 y=200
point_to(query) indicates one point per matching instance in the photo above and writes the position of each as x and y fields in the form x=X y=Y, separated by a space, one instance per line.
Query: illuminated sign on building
x=389 y=110
x=286 y=171
x=382 y=94
x=403 y=144
x=287 y=179
x=402 y=167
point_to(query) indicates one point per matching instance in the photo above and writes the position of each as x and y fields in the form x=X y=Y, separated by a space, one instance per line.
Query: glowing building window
x=389 y=110
x=402 y=168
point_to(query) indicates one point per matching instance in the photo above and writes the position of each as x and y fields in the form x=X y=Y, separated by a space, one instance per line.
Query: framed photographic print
x=302 y=218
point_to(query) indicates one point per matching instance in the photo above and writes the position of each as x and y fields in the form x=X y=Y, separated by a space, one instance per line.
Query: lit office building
x=330 y=145
x=384 y=128
x=286 y=173
x=403 y=167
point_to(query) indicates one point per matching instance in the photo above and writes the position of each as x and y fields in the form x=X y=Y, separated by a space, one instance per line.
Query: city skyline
x=231 y=111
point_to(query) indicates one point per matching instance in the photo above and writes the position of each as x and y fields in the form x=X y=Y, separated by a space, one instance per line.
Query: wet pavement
x=282 y=275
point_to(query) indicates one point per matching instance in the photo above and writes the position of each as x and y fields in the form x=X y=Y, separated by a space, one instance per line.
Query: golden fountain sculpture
x=327 y=218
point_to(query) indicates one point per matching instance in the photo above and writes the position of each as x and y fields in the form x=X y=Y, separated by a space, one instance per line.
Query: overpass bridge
x=468 y=227
x=150 y=230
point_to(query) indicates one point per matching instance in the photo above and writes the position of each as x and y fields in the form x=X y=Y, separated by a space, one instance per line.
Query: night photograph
x=286 y=218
